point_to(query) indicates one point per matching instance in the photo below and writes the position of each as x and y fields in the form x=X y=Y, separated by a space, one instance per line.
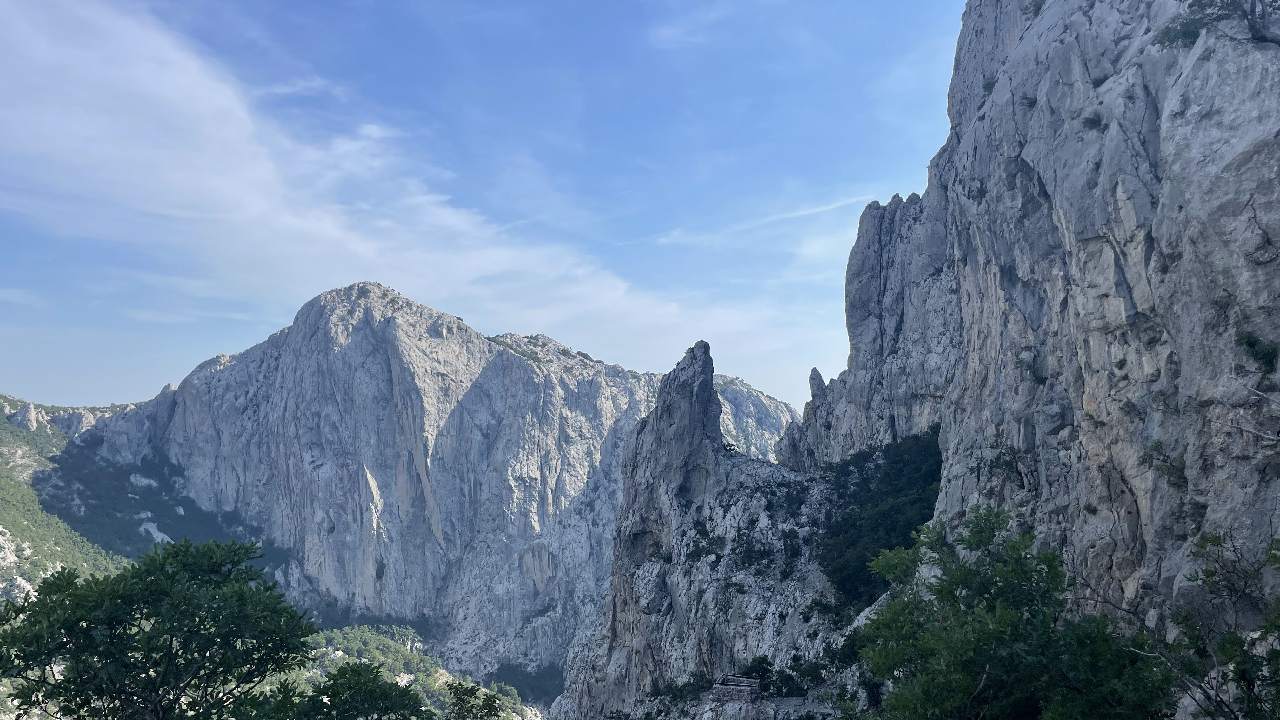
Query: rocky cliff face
x=413 y=469
x=1084 y=302
x=1086 y=297
x=711 y=567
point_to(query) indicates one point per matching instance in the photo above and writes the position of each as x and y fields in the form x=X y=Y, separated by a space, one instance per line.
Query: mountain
x=399 y=466
x=1078 y=319
x=1086 y=298
x=713 y=564
x=1082 y=309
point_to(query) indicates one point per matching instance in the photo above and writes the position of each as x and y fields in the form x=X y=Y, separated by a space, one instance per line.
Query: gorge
x=400 y=467
x=1083 y=309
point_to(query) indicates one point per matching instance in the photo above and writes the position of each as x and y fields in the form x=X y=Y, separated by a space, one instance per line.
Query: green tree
x=885 y=495
x=760 y=668
x=472 y=702
x=979 y=628
x=357 y=691
x=190 y=631
x=1229 y=651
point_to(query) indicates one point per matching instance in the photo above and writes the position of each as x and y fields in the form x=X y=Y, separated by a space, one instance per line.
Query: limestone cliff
x=712 y=567
x=1084 y=303
x=1085 y=299
x=410 y=468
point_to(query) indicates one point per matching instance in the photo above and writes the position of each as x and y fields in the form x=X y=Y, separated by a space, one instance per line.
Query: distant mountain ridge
x=33 y=542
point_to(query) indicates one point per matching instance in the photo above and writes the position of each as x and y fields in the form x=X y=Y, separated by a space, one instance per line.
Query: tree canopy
x=189 y=632
x=978 y=628
x=354 y=691
x=471 y=702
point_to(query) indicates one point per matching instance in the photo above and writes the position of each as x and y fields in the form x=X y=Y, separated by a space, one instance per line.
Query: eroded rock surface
x=413 y=469
x=1084 y=297
x=712 y=567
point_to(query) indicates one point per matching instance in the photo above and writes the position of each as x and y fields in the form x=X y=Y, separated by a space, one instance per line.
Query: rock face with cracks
x=1085 y=299
x=415 y=470
x=1084 y=302
x=711 y=566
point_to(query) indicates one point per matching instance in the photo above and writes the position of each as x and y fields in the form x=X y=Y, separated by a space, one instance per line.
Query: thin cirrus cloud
x=20 y=297
x=733 y=233
x=118 y=132
x=691 y=26
x=311 y=86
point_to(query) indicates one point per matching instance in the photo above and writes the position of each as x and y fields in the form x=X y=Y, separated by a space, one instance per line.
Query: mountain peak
x=365 y=292
x=687 y=413
x=342 y=309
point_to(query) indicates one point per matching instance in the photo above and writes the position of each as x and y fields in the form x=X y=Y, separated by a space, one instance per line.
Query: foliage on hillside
x=39 y=541
x=43 y=443
x=111 y=504
x=109 y=511
x=1228 y=652
x=401 y=653
x=882 y=496
x=979 y=625
x=189 y=631
x=979 y=628
x=200 y=632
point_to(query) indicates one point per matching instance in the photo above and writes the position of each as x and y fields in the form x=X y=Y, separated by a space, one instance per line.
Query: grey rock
x=416 y=470
x=69 y=422
x=709 y=566
x=30 y=418
x=1066 y=299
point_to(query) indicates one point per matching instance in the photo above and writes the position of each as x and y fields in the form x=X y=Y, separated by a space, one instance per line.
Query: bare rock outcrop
x=412 y=469
x=712 y=567
x=1086 y=297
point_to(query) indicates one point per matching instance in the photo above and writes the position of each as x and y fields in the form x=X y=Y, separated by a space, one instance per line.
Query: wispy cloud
x=183 y=316
x=21 y=297
x=807 y=211
x=733 y=233
x=116 y=130
x=693 y=24
x=525 y=187
x=311 y=86
x=160 y=317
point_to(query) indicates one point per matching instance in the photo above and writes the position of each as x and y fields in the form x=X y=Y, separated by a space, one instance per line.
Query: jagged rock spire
x=687 y=412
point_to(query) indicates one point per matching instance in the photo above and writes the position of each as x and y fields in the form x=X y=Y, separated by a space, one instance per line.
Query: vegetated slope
x=880 y=496
x=402 y=654
x=33 y=542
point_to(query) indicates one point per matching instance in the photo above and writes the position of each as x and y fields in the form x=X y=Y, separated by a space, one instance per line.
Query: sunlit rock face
x=413 y=469
x=712 y=566
x=1083 y=298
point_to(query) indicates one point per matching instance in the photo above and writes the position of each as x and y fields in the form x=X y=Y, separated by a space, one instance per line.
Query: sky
x=178 y=177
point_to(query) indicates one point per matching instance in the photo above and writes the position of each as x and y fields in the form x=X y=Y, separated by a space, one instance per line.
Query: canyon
x=1081 y=309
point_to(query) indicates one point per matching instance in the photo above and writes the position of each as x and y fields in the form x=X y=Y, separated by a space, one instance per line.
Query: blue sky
x=177 y=177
